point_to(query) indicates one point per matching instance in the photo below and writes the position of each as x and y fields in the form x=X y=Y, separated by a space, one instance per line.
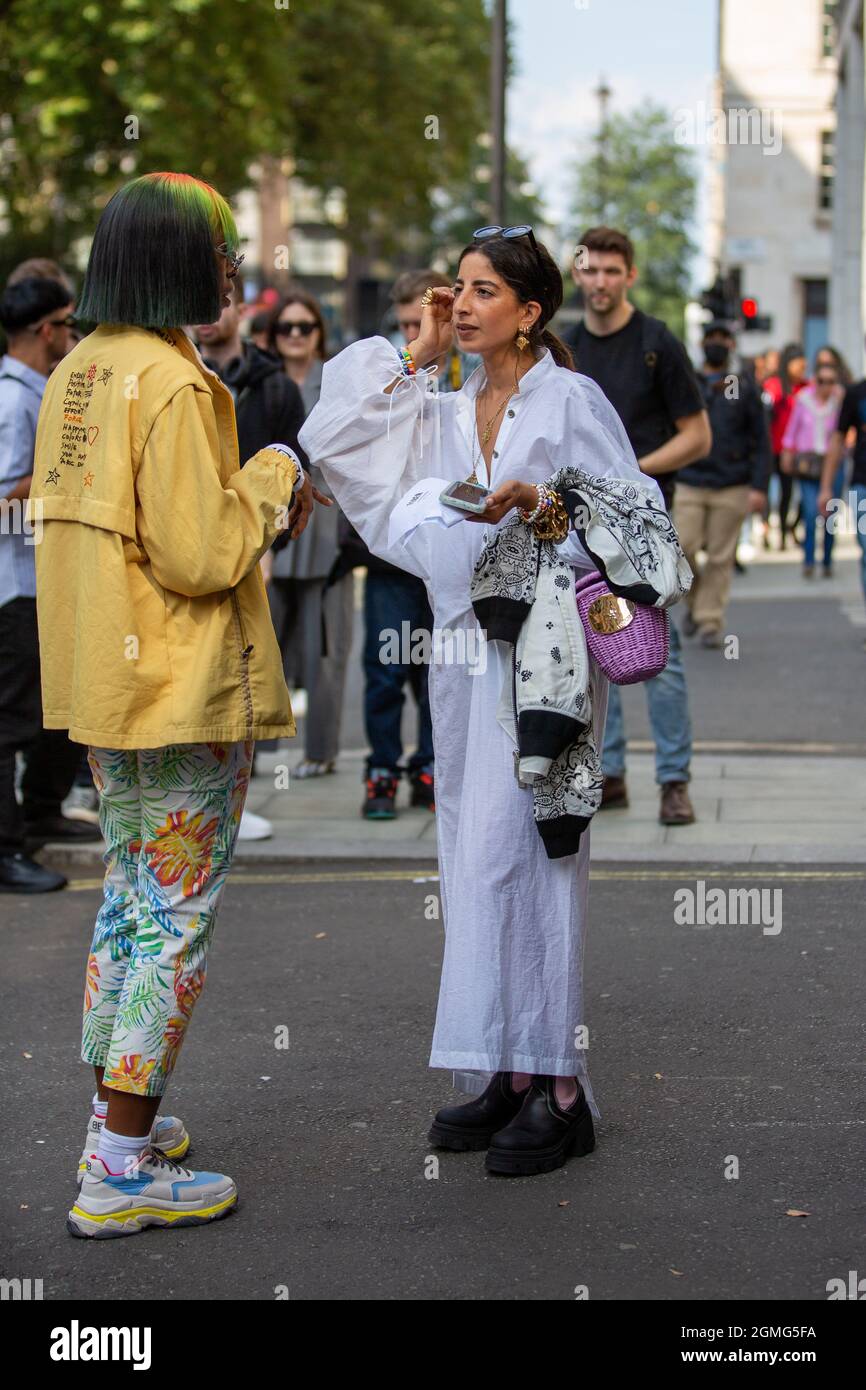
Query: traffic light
x=752 y=321
x=717 y=300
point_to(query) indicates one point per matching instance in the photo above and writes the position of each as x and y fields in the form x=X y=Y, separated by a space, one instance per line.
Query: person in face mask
x=714 y=495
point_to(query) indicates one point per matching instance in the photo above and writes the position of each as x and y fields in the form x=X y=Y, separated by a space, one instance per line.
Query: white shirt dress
x=511 y=992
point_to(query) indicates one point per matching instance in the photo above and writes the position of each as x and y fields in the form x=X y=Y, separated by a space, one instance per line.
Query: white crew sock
x=100 y=1107
x=117 y=1150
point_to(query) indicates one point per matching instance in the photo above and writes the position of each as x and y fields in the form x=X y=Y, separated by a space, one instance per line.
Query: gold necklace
x=473 y=476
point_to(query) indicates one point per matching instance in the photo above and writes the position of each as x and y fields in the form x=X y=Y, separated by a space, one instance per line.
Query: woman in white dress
x=510 y=1022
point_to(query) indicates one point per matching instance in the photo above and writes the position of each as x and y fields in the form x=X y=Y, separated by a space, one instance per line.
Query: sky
x=664 y=50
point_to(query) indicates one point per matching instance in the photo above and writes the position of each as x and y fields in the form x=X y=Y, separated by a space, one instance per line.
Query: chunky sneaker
x=168 y=1134
x=381 y=795
x=423 y=792
x=472 y=1126
x=153 y=1191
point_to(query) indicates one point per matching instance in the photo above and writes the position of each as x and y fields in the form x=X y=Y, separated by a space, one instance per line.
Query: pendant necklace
x=488 y=428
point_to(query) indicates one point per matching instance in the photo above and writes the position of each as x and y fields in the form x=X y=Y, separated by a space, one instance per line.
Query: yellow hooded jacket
x=154 y=626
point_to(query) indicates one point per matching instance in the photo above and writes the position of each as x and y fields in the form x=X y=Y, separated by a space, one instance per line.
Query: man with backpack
x=646 y=375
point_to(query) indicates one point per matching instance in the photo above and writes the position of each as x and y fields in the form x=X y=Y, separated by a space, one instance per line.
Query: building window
x=828 y=28
x=827 y=170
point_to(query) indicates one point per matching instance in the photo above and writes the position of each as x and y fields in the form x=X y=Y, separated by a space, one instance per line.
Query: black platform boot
x=472 y=1126
x=542 y=1135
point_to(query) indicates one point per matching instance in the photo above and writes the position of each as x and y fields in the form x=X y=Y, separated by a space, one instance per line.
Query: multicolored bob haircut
x=152 y=261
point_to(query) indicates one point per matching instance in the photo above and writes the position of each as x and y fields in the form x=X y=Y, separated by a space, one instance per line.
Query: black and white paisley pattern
x=627 y=532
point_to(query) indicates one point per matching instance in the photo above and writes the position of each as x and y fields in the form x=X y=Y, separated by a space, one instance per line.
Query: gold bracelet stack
x=549 y=520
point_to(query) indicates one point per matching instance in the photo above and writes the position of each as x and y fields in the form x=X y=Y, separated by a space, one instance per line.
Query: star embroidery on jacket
x=107 y=373
x=88 y=480
x=53 y=476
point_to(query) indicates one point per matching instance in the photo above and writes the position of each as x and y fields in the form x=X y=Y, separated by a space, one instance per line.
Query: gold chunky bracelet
x=552 y=525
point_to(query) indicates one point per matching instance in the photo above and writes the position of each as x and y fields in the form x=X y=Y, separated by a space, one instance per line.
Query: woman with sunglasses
x=308 y=595
x=158 y=653
x=510 y=1016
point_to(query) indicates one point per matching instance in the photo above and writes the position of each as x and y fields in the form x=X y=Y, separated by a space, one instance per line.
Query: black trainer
x=543 y=1135
x=379 y=803
x=56 y=829
x=472 y=1126
x=20 y=874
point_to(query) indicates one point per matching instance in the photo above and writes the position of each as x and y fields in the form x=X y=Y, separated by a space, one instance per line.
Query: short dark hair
x=609 y=239
x=28 y=301
x=412 y=283
x=44 y=269
x=152 y=262
x=716 y=328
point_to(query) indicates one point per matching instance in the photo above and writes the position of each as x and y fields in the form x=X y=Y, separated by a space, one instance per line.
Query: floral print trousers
x=170 y=818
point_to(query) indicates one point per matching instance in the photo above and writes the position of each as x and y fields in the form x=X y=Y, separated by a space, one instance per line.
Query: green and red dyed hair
x=152 y=261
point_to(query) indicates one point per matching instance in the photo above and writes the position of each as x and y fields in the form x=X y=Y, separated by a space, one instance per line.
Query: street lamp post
x=603 y=92
x=497 y=113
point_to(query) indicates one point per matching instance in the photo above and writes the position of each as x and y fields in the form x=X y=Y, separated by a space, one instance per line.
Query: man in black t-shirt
x=646 y=375
x=852 y=416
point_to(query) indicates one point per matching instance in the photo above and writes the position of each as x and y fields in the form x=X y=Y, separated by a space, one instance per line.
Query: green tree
x=465 y=206
x=643 y=183
x=96 y=93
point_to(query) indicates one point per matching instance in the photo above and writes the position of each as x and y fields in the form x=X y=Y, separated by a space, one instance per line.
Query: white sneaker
x=254 y=827
x=152 y=1192
x=82 y=803
x=167 y=1134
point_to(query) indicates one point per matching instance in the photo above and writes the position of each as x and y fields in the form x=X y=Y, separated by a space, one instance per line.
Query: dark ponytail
x=532 y=274
x=558 y=350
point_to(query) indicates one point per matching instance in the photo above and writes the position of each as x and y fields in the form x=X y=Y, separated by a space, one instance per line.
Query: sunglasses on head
x=283 y=330
x=511 y=234
x=484 y=233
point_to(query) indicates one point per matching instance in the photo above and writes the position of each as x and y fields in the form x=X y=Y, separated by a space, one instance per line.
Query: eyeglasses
x=235 y=262
x=825 y=380
x=284 y=330
x=510 y=233
x=68 y=322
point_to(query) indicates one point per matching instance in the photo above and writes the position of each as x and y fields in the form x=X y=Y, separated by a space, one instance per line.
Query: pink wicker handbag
x=628 y=640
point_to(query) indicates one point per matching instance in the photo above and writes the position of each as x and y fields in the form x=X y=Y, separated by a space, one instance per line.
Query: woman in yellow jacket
x=158 y=652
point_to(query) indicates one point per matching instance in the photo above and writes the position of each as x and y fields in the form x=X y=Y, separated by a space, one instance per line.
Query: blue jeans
x=860 y=523
x=390 y=601
x=809 y=489
x=668 y=701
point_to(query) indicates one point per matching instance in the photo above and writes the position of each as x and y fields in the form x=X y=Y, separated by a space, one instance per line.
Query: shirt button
x=511 y=414
x=496 y=453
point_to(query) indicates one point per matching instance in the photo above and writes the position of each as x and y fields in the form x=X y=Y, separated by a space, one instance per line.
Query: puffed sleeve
x=373 y=447
x=595 y=440
x=202 y=536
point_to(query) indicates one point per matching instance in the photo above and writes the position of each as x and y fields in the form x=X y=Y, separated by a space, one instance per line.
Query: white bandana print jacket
x=523 y=593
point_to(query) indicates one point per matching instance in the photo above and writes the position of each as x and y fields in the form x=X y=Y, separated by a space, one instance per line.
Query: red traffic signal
x=749 y=308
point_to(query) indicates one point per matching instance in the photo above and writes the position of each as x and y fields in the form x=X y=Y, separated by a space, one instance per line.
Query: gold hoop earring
x=521 y=341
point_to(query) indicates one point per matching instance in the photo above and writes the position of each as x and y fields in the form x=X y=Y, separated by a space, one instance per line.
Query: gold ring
x=427 y=296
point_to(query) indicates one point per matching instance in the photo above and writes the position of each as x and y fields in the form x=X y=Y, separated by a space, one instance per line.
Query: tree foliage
x=645 y=185
x=98 y=92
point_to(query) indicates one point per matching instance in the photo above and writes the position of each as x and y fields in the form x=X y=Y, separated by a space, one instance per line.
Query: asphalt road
x=704 y=1044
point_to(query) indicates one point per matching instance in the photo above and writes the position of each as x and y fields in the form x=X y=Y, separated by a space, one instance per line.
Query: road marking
x=430 y=875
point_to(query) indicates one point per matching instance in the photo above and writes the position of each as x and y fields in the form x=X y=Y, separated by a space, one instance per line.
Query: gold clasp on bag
x=608 y=614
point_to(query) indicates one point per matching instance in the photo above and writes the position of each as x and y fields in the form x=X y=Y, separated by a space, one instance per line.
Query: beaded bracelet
x=544 y=502
x=407 y=362
x=549 y=519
